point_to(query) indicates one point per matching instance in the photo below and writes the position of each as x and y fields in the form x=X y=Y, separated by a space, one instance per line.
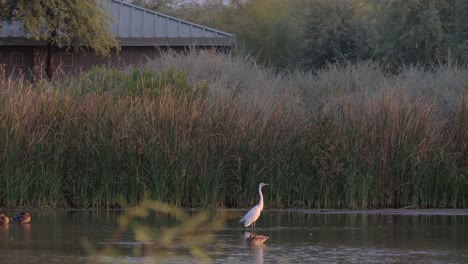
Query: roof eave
x=140 y=42
x=163 y=42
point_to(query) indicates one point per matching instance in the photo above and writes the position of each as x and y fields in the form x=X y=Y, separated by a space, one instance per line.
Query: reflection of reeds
x=201 y=130
x=191 y=232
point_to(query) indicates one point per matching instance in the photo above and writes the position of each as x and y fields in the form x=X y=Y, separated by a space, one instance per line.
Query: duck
x=22 y=218
x=4 y=220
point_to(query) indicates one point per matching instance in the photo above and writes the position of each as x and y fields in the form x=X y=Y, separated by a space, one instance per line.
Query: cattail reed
x=199 y=130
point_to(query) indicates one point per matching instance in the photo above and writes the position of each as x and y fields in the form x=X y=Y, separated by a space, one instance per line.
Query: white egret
x=254 y=213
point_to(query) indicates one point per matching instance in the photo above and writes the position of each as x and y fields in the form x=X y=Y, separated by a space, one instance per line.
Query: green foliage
x=64 y=23
x=279 y=33
x=333 y=31
x=458 y=40
x=267 y=29
x=136 y=82
x=411 y=32
x=189 y=232
x=309 y=33
x=164 y=6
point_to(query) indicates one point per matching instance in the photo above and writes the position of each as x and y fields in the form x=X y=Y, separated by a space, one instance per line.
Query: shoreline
x=389 y=211
x=413 y=212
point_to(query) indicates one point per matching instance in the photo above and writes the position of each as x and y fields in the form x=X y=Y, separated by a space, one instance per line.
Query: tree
x=412 y=31
x=334 y=30
x=164 y=6
x=459 y=37
x=267 y=29
x=74 y=24
x=206 y=12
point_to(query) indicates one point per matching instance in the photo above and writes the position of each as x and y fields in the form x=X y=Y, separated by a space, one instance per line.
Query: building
x=142 y=34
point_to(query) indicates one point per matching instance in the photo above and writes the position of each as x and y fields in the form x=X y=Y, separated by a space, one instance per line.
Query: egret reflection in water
x=255 y=244
x=255 y=239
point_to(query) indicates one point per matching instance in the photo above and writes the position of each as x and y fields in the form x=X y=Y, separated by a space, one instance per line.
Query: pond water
x=294 y=237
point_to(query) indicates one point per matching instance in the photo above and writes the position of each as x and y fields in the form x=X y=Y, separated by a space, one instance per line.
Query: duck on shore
x=22 y=218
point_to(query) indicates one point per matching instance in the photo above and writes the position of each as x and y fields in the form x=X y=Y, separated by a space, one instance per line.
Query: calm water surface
x=295 y=237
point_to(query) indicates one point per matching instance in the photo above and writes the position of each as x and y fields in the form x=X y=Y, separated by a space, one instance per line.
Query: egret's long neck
x=260 y=204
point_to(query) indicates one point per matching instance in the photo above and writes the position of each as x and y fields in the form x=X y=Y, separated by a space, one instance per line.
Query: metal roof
x=136 y=26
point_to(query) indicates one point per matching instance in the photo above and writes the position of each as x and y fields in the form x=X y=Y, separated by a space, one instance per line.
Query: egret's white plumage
x=254 y=213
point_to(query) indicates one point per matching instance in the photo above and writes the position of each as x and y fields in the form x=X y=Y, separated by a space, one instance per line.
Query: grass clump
x=186 y=233
x=200 y=130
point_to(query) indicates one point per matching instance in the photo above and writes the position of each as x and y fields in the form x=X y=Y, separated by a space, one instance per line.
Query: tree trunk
x=39 y=63
x=50 y=64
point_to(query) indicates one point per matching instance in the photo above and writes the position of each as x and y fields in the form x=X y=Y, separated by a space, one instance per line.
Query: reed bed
x=198 y=130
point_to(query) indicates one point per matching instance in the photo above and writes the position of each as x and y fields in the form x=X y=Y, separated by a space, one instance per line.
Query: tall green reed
x=200 y=130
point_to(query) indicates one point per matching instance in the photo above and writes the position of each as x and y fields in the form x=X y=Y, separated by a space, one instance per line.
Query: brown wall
x=15 y=62
x=84 y=60
x=18 y=60
x=75 y=62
